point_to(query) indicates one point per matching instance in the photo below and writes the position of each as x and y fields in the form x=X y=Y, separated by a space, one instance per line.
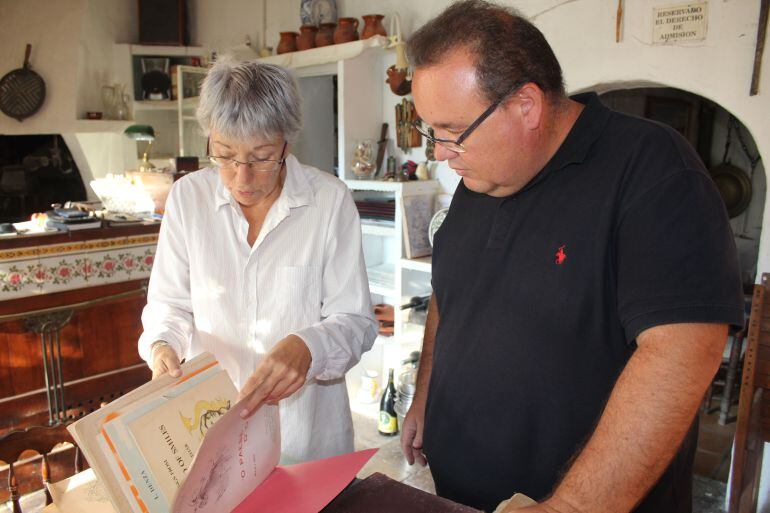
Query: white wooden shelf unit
x=174 y=122
x=360 y=84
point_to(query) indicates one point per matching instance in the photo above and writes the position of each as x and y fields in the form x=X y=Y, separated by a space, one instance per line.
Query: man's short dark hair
x=507 y=48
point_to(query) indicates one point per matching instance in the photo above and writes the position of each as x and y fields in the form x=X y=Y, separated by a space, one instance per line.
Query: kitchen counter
x=22 y=241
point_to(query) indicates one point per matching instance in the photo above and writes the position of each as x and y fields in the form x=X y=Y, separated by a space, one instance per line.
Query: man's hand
x=539 y=508
x=280 y=373
x=520 y=502
x=411 y=434
x=164 y=359
x=412 y=429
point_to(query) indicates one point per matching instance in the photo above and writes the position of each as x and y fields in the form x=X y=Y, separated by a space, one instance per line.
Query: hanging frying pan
x=22 y=91
x=734 y=186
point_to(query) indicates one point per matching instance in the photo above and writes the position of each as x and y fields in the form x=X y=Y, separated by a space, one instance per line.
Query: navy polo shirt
x=542 y=294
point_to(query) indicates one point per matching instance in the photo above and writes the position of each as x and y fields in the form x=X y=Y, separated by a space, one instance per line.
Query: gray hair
x=249 y=100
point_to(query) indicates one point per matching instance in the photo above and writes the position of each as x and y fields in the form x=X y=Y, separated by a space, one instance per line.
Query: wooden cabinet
x=99 y=359
x=76 y=298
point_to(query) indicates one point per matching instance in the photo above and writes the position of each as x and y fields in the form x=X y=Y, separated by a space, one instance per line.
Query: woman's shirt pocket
x=298 y=296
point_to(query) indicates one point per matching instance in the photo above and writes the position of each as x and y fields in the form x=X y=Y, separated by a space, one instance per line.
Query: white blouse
x=305 y=274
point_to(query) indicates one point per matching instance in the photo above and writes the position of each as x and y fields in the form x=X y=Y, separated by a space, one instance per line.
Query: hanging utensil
x=733 y=183
x=22 y=91
x=399 y=76
x=764 y=9
x=382 y=143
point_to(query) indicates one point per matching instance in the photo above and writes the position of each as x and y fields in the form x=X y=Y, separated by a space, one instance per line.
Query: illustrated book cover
x=179 y=445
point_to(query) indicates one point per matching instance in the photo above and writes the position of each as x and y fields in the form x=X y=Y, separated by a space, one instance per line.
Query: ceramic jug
x=115 y=102
x=108 y=99
x=306 y=39
x=373 y=26
x=287 y=43
x=347 y=30
x=325 y=34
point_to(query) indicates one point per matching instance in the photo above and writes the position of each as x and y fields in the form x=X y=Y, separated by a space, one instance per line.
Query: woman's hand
x=164 y=359
x=280 y=373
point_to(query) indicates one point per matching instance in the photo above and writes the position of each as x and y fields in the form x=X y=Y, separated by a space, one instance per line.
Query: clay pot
x=347 y=30
x=287 y=43
x=306 y=39
x=398 y=82
x=373 y=26
x=325 y=34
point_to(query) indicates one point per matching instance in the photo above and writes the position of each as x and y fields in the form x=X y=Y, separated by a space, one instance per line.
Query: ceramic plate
x=435 y=223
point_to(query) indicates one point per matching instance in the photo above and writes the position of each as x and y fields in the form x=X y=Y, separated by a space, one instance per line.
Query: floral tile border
x=76 y=247
x=74 y=268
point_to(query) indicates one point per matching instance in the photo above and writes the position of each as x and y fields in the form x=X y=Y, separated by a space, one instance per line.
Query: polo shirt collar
x=586 y=130
x=296 y=191
x=581 y=137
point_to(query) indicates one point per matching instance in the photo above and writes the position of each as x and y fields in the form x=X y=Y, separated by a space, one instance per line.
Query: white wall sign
x=683 y=22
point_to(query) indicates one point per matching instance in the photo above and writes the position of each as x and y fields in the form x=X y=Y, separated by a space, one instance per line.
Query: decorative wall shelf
x=326 y=54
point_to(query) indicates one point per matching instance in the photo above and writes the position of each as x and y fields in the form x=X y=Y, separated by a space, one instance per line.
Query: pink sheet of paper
x=305 y=487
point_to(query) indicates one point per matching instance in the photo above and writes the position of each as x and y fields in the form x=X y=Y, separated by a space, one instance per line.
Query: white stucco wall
x=53 y=30
x=582 y=33
x=105 y=22
x=71 y=50
x=223 y=25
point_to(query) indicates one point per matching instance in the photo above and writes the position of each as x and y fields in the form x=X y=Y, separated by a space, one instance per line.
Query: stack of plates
x=376 y=209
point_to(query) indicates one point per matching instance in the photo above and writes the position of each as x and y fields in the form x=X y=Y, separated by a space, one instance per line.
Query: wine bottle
x=388 y=422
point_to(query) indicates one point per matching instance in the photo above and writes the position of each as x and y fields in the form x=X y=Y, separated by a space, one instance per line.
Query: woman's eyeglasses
x=261 y=165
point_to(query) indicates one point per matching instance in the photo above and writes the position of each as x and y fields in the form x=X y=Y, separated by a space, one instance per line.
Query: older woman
x=259 y=262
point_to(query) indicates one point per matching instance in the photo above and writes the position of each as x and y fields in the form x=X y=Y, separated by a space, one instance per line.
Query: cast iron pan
x=22 y=91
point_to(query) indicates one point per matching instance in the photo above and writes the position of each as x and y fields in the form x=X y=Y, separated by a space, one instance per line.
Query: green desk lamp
x=142 y=133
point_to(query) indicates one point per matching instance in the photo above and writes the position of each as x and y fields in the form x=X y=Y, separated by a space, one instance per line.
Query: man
x=584 y=279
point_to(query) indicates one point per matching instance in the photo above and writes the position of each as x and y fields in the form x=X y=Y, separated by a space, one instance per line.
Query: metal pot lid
x=734 y=186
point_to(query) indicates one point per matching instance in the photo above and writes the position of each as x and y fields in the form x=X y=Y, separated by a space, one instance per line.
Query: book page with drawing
x=235 y=457
x=180 y=445
x=170 y=430
x=149 y=440
x=142 y=445
x=81 y=492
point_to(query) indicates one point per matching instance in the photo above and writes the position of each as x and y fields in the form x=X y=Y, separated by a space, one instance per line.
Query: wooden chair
x=40 y=439
x=753 y=426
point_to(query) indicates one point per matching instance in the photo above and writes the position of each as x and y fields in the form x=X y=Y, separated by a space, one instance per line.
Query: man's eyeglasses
x=457 y=144
x=262 y=165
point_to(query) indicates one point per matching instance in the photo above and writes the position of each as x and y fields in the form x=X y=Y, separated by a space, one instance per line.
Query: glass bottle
x=387 y=423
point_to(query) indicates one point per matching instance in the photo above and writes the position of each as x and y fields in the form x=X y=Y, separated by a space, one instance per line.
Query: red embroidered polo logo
x=561 y=256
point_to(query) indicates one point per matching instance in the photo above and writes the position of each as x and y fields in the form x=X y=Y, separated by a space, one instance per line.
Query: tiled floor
x=389 y=460
x=712 y=463
x=714 y=444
